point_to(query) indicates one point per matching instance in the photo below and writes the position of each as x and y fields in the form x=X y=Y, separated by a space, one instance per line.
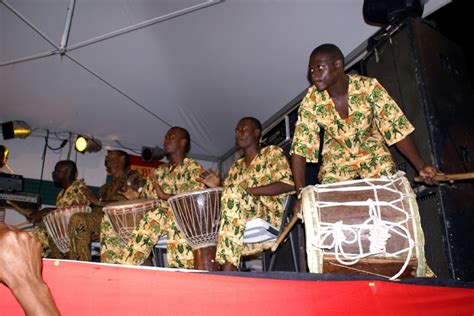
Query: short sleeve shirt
x=73 y=195
x=269 y=166
x=354 y=146
x=176 y=179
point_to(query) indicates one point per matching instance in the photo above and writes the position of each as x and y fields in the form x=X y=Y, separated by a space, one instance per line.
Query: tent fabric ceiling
x=203 y=66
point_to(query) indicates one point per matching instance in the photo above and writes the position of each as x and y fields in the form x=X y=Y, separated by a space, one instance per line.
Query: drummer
x=73 y=192
x=255 y=188
x=85 y=227
x=177 y=176
x=360 y=120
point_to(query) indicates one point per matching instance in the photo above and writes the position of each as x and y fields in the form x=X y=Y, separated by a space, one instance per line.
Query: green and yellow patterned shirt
x=73 y=195
x=179 y=179
x=269 y=166
x=355 y=146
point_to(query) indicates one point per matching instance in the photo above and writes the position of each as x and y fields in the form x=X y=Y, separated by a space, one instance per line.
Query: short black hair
x=254 y=121
x=186 y=136
x=124 y=155
x=70 y=166
x=329 y=49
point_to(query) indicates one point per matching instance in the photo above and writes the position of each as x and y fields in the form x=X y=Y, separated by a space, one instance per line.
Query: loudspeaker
x=387 y=11
x=426 y=74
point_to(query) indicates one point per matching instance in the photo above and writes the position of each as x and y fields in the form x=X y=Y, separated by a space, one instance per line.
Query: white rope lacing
x=337 y=235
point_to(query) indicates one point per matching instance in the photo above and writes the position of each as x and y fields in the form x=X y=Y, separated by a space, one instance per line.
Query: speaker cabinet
x=426 y=74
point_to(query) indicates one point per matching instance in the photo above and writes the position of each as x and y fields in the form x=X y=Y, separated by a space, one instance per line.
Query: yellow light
x=81 y=144
x=87 y=144
x=3 y=155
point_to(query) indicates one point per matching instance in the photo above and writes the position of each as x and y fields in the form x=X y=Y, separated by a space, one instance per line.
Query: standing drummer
x=74 y=192
x=359 y=119
x=85 y=227
x=256 y=187
x=177 y=176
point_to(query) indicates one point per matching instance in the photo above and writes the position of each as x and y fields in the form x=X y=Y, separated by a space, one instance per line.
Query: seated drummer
x=359 y=119
x=85 y=227
x=74 y=193
x=177 y=176
x=256 y=187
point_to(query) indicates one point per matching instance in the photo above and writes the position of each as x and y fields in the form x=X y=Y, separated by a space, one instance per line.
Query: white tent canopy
x=192 y=63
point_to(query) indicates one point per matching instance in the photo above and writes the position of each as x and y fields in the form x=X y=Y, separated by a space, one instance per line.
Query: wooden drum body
x=126 y=215
x=198 y=217
x=369 y=226
x=57 y=223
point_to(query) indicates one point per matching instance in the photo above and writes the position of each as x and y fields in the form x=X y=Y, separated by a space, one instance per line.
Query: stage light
x=87 y=144
x=15 y=129
x=150 y=154
x=3 y=155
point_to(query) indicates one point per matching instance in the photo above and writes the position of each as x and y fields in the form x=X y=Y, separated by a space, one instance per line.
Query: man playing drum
x=177 y=176
x=359 y=119
x=73 y=193
x=85 y=227
x=255 y=188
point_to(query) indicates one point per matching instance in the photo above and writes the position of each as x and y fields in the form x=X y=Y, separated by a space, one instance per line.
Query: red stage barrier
x=97 y=289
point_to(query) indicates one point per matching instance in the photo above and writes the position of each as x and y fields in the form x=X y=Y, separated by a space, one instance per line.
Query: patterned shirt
x=354 y=146
x=269 y=166
x=175 y=179
x=110 y=190
x=73 y=195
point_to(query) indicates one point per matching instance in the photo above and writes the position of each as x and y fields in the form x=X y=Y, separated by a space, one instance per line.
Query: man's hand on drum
x=210 y=178
x=428 y=172
x=129 y=193
x=20 y=270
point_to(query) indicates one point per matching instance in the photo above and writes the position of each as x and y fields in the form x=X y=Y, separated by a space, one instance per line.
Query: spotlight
x=3 y=155
x=87 y=144
x=15 y=129
x=150 y=154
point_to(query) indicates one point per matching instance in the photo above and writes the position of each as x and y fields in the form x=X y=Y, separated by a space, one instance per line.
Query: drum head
x=177 y=196
x=128 y=204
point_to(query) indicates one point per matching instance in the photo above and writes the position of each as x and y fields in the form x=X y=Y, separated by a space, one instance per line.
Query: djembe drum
x=198 y=217
x=126 y=215
x=57 y=223
x=368 y=226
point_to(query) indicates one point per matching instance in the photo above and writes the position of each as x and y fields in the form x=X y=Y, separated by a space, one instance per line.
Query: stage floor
x=99 y=289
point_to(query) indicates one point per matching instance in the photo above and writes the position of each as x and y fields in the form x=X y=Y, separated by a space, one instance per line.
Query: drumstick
x=450 y=177
x=285 y=232
x=18 y=208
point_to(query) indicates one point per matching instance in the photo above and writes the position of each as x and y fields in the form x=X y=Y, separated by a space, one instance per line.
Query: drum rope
x=379 y=229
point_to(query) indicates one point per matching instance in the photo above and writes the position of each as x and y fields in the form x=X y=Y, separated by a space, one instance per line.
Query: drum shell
x=323 y=204
x=57 y=223
x=197 y=215
x=125 y=216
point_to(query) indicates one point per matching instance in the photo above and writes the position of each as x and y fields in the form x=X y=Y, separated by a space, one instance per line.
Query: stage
x=99 y=289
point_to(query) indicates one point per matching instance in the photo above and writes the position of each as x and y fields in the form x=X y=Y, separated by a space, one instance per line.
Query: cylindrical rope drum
x=126 y=215
x=57 y=223
x=368 y=226
x=198 y=217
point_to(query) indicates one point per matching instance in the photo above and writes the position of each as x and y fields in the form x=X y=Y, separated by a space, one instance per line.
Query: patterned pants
x=156 y=223
x=48 y=247
x=237 y=208
x=83 y=229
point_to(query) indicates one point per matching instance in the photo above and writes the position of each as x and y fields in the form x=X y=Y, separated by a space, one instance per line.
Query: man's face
x=173 y=141
x=322 y=71
x=245 y=134
x=60 y=173
x=113 y=161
